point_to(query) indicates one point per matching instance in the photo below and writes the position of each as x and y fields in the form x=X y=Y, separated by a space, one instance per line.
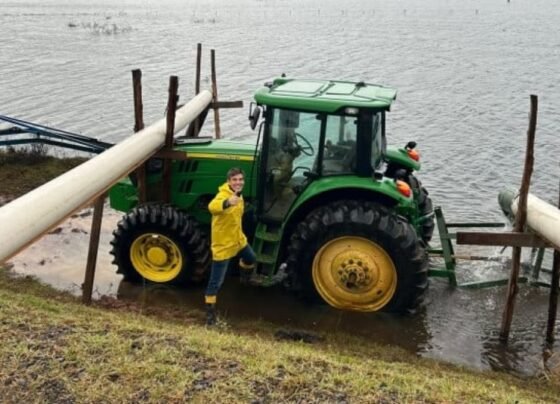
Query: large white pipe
x=30 y=216
x=542 y=217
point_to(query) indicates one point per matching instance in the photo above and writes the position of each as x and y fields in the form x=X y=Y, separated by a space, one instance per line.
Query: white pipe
x=542 y=217
x=25 y=219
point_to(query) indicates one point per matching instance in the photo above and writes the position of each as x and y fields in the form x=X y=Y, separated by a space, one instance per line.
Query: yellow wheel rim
x=354 y=273
x=156 y=257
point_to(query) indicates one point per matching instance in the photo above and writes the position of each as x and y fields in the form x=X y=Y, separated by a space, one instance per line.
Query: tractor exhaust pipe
x=542 y=217
x=27 y=218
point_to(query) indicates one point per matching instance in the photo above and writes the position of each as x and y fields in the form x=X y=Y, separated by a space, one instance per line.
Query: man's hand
x=233 y=200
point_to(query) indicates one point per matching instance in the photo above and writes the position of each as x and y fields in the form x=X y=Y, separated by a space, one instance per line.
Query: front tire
x=160 y=244
x=358 y=256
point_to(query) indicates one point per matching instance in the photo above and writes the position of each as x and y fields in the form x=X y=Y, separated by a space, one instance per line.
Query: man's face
x=236 y=182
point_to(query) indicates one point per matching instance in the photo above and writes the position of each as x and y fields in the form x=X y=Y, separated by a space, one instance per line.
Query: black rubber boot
x=211 y=314
x=245 y=276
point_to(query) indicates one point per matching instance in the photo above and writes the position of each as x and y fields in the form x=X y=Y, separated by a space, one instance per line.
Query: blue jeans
x=219 y=269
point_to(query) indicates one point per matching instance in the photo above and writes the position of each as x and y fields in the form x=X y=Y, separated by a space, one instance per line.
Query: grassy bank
x=56 y=350
x=23 y=170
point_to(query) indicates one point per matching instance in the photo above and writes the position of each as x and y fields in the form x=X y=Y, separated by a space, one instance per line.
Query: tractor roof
x=324 y=95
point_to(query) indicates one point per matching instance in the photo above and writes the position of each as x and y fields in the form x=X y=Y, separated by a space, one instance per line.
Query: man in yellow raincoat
x=228 y=240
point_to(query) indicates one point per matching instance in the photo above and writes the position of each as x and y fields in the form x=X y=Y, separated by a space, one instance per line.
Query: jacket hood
x=225 y=188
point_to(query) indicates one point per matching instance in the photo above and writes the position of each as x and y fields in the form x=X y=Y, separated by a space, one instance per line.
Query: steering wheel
x=307 y=148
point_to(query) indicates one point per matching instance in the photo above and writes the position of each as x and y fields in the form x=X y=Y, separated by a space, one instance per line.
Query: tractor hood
x=205 y=148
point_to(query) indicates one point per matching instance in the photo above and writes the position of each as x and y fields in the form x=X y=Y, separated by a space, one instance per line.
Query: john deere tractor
x=332 y=213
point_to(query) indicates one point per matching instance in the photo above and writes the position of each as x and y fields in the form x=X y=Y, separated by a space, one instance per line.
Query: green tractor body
x=331 y=211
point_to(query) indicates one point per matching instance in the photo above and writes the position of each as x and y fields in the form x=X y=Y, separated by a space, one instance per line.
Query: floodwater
x=464 y=71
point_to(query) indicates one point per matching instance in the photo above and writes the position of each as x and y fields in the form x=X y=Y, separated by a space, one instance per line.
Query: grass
x=56 y=350
x=23 y=170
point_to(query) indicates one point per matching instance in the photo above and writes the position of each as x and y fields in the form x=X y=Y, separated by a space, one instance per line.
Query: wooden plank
x=504 y=239
x=215 y=94
x=171 y=108
x=226 y=104
x=521 y=218
x=87 y=287
x=481 y=224
x=138 y=126
x=553 y=298
x=197 y=84
x=171 y=154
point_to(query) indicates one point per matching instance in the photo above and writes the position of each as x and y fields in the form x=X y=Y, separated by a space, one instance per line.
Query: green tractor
x=332 y=213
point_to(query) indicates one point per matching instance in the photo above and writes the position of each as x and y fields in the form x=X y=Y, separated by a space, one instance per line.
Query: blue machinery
x=23 y=133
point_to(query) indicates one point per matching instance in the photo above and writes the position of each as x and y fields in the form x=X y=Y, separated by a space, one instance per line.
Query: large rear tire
x=358 y=256
x=160 y=244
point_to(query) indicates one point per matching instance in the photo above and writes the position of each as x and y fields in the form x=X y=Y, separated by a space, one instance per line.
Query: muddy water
x=464 y=71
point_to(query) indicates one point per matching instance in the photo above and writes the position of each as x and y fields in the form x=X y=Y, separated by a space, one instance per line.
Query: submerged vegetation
x=26 y=169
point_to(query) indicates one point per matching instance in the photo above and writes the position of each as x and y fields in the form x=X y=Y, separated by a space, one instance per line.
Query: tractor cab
x=314 y=130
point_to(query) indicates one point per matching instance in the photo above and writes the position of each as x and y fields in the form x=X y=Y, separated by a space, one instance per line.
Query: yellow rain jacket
x=227 y=234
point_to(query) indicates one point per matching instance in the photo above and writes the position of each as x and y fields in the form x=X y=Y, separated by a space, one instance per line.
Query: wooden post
x=215 y=95
x=171 y=108
x=520 y=221
x=197 y=84
x=87 y=287
x=553 y=300
x=138 y=126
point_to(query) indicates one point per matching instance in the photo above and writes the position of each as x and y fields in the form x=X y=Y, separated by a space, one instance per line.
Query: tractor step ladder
x=267 y=246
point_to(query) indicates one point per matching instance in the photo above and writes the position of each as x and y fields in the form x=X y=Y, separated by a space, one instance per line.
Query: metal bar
x=439 y=273
x=215 y=94
x=138 y=126
x=541 y=284
x=25 y=219
x=469 y=257
x=489 y=284
x=11 y=131
x=520 y=221
x=43 y=128
x=87 y=288
x=509 y=239
x=446 y=246
x=51 y=143
x=171 y=107
x=91 y=142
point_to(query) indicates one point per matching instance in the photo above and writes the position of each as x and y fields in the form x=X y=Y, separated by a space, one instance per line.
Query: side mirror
x=254 y=115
